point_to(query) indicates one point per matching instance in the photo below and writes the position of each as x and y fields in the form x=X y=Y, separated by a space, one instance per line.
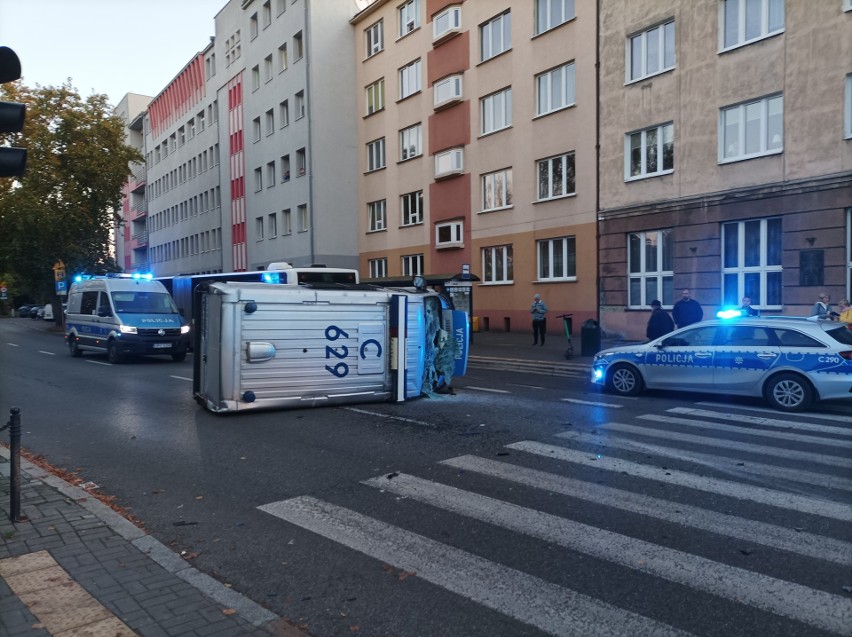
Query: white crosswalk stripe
x=798 y=460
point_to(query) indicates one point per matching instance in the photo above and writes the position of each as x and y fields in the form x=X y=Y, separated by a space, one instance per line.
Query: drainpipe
x=598 y=160
x=309 y=149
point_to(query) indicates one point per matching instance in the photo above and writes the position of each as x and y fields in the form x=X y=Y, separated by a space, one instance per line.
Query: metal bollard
x=14 y=427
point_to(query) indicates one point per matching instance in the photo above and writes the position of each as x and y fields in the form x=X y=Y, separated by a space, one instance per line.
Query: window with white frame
x=409 y=16
x=374 y=36
x=267 y=68
x=411 y=208
x=375 y=94
x=847 y=107
x=557 y=259
x=551 y=13
x=270 y=174
x=497 y=190
x=556 y=177
x=282 y=57
x=446 y=22
x=651 y=52
x=495 y=36
x=270 y=122
x=300 y=104
x=376 y=217
x=285 y=168
x=555 y=89
x=258 y=228
x=258 y=179
x=410 y=142
x=253 y=26
x=303 y=217
x=409 y=79
x=412 y=264
x=752 y=129
x=447 y=90
x=255 y=78
x=286 y=222
x=267 y=13
x=650 y=268
x=649 y=152
x=284 y=113
x=746 y=21
x=449 y=234
x=496 y=111
x=751 y=262
x=378 y=268
x=298 y=46
x=376 y=154
x=497 y=265
x=301 y=162
x=272 y=225
x=256 y=130
x=449 y=162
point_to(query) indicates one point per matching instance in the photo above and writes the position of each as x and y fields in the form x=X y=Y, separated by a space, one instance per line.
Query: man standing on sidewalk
x=687 y=311
x=539 y=323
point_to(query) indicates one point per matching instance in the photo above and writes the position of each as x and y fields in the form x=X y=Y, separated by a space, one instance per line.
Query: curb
x=528 y=366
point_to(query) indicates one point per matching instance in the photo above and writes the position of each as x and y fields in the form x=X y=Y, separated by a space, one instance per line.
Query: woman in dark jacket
x=660 y=322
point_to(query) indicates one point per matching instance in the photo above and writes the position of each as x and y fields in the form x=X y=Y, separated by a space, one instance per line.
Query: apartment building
x=477 y=150
x=726 y=155
x=251 y=149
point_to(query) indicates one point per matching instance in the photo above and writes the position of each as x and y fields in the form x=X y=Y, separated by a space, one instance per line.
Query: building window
x=497 y=265
x=255 y=124
x=285 y=168
x=272 y=225
x=496 y=111
x=412 y=264
x=270 y=122
x=376 y=154
x=267 y=13
x=409 y=79
x=446 y=22
x=375 y=96
x=253 y=26
x=303 y=217
x=751 y=262
x=411 y=208
x=650 y=275
x=556 y=177
x=649 y=152
x=258 y=228
x=449 y=234
x=557 y=259
x=280 y=6
x=746 y=21
x=409 y=17
x=555 y=89
x=378 y=268
x=410 y=142
x=495 y=36
x=651 y=52
x=376 y=217
x=255 y=78
x=301 y=162
x=374 y=36
x=300 y=105
x=284 y=113
x=448 y=90
x=267 y=68
x=270 y=174
x=258 y=179
x=449 y=162
x=286 y=222
x=298 y=46
x=551 y=13
x=497 y=190
x=847 y=107
x=752 y=129
x=181 y=136
x=282 y=57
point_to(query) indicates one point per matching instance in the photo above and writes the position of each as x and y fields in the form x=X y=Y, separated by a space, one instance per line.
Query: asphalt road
x=522 y=505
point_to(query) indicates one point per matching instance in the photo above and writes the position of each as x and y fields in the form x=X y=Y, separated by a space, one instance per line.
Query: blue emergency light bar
x=271 y=277
x=730 y=313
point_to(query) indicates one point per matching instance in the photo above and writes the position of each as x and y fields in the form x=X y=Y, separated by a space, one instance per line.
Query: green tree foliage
x=67 y=202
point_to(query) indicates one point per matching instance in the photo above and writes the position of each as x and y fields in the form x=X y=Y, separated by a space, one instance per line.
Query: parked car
x=789 y=361
x=37 y=311
x=47 y=315
x=24 y=310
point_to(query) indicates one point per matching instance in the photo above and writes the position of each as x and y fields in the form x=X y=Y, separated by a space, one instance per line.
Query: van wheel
x=180 y=356
x=789 y=392
x=76 y=352
x=114 y=355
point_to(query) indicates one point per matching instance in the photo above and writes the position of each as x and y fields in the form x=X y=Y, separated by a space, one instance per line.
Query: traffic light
x=12 y=160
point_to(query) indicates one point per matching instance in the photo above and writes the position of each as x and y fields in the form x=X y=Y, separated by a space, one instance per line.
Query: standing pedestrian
x=687 y=311
x=747 y=309
x=539 y=322
x=659 y=323
x=822 y=308
x=844 y=310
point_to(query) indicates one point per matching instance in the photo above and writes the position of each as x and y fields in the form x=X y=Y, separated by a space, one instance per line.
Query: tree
x=66 y=204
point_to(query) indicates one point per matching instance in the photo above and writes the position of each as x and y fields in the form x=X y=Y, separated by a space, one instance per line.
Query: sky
x=106 y=46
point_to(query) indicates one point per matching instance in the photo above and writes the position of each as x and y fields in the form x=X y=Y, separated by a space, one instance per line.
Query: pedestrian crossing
x=786 y=491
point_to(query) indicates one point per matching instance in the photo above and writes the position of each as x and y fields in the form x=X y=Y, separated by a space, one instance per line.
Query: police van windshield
x=143 y=303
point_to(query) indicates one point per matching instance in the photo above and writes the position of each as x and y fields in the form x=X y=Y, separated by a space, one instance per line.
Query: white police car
x=789 y=361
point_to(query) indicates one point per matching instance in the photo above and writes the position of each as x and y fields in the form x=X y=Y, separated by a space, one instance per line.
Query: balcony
x=138 y=210
x=139 y=240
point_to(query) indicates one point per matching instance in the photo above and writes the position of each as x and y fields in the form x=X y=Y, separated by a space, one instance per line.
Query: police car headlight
x=127 y=329
x=184 y=329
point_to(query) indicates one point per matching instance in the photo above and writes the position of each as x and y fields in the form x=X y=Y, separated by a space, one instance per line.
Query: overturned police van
x=268 y=346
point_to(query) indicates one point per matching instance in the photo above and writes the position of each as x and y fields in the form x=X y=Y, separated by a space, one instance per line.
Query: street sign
x=465 y=270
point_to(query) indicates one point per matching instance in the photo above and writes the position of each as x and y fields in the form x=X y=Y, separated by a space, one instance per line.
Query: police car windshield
x=841 y=334
x=143 y=303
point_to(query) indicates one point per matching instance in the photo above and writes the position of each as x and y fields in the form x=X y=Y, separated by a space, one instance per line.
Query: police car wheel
x=624 y=380
x=76 y=352
x=789 y=392
x=114 y=355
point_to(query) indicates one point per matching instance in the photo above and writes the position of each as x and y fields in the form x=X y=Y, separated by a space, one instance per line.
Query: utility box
x=590 y=338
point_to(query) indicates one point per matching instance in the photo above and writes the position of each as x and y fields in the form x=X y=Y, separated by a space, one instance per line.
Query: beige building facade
x=726 y=155
x=477 y=141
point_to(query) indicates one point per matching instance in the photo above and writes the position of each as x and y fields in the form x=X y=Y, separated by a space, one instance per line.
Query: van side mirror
x=104 y=311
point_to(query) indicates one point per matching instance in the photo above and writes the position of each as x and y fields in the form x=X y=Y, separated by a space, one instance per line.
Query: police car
x=789 y=361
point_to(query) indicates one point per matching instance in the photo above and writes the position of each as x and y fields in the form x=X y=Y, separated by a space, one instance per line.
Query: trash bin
x=475 y=323
x=590 y=338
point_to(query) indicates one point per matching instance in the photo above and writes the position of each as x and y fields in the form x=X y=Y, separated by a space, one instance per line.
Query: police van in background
x=124 y=314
